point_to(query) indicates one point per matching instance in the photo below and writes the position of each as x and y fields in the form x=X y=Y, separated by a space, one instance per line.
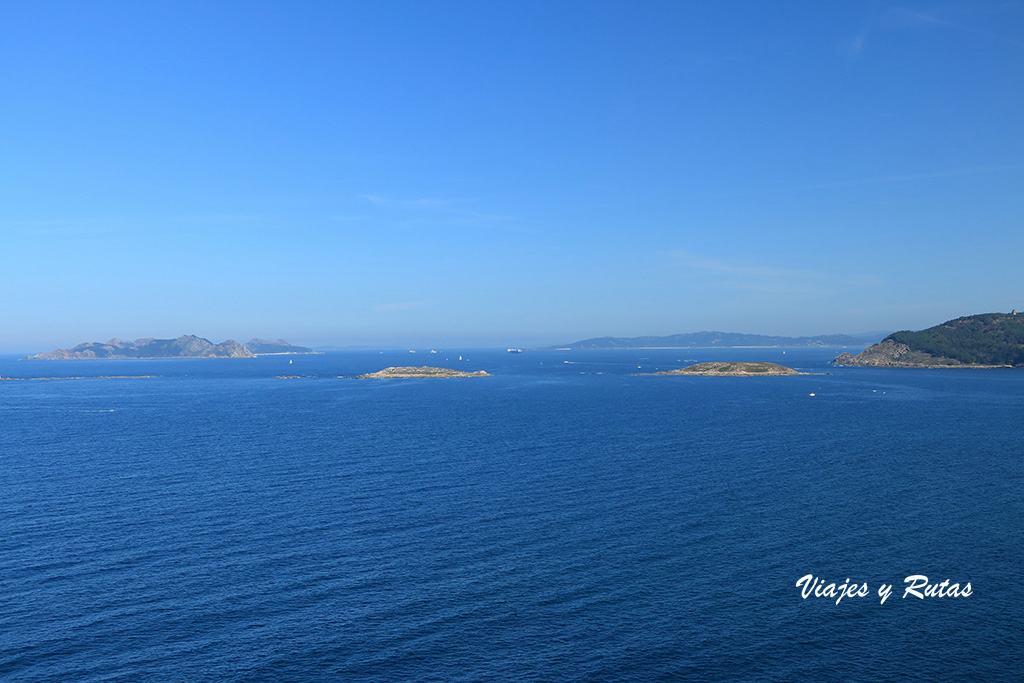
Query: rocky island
x=414 y=373
x=733 y=369
x=988 y=340
x=185 y=346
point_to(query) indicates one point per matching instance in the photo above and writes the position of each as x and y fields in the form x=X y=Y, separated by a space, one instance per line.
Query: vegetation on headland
x=415 y=373
x=977 y=341
x=733 y=369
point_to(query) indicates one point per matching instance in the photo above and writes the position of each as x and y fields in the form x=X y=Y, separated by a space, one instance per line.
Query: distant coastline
x=719 y=340
x=185 y=346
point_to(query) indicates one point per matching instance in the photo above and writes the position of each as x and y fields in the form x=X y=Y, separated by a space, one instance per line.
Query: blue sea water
x=563 y=520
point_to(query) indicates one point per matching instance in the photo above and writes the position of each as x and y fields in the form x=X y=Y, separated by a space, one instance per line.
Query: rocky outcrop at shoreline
x=892 y=354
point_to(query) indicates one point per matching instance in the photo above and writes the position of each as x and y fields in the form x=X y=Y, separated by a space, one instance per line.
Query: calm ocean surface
x=564 y=520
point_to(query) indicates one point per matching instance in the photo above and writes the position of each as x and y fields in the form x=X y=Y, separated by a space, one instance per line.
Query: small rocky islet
x=733 y=369
x=421 y=372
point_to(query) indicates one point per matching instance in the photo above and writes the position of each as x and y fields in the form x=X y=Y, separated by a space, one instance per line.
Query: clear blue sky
x=498 y=173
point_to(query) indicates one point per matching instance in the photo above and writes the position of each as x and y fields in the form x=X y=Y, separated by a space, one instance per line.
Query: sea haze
x=565 y=519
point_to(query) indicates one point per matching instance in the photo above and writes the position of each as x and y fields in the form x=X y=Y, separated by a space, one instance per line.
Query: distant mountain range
x=186 y=346
x=983 y=340
x=720 y=340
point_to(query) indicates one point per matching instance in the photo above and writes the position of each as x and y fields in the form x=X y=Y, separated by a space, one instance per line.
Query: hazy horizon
x=422 y=344
x=484 y=174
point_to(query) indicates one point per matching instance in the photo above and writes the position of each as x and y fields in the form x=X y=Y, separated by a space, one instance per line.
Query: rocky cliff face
x=892 y=354
x=228 y=349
